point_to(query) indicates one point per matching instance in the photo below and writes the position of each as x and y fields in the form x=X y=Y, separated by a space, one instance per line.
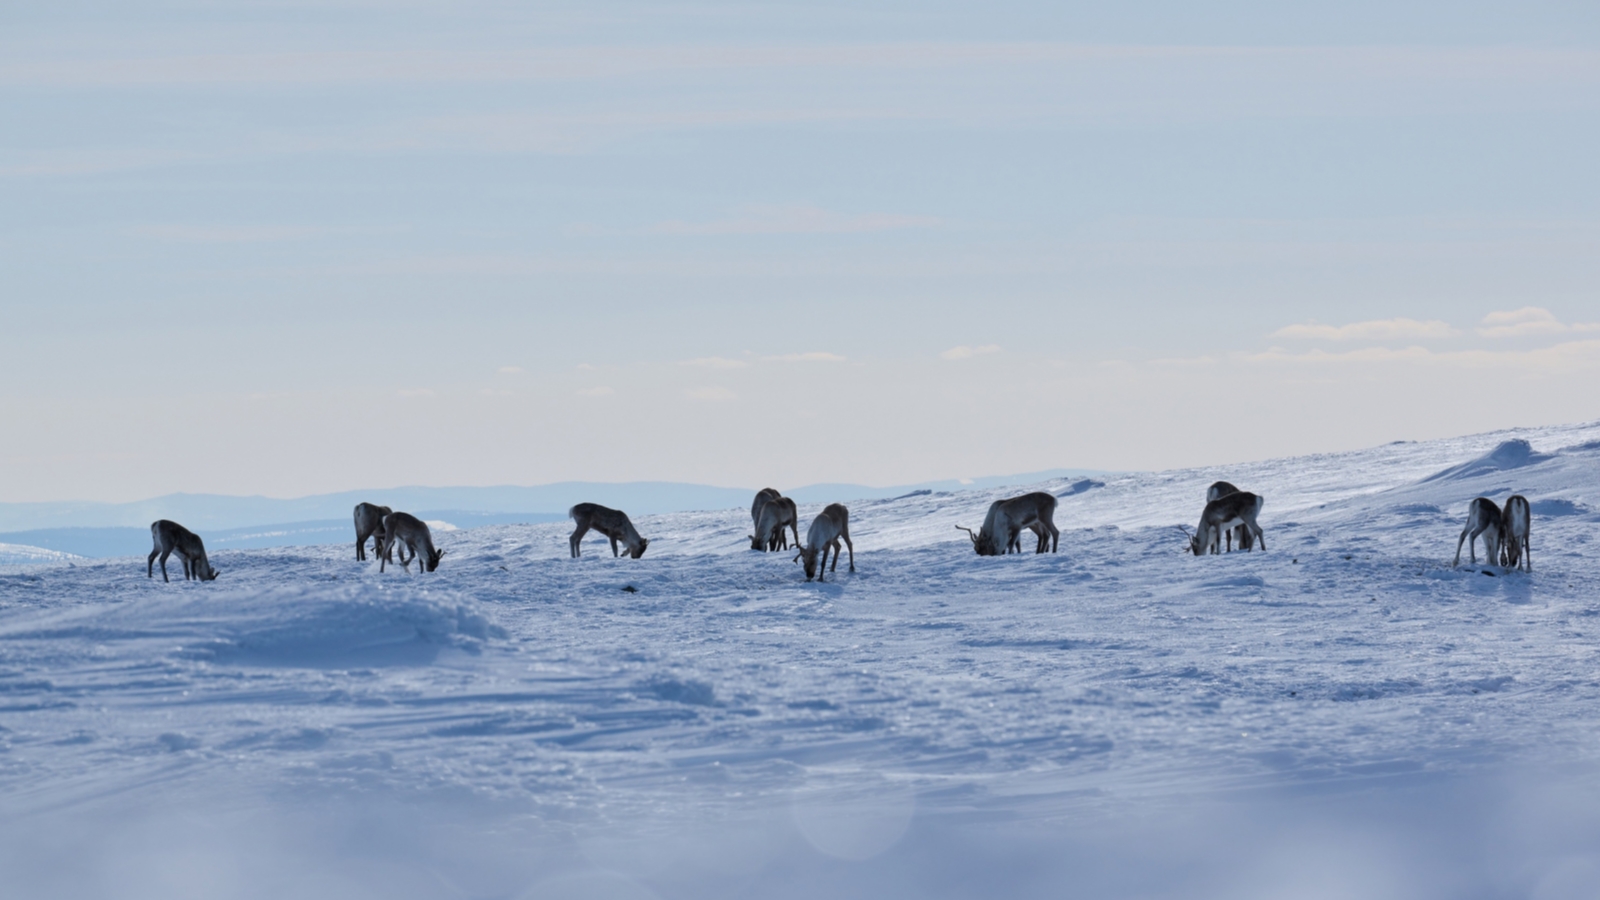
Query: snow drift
x=1344 y=716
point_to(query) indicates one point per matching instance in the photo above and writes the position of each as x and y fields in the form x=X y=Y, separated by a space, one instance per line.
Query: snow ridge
x=615 y=699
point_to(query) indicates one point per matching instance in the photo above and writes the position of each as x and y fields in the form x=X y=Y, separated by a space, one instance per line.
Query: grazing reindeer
x=776 y=515
x=1226 y=512
x=169 y=538
x=413 y=533
x=827 y=529
x=763 y=497
x=1483 y=517
x=1223 y=489
x=369 y=524
x=612 y=523
x=1514 y=533
x=1003 y=526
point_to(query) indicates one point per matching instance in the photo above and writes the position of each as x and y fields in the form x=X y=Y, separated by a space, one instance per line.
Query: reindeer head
x=433 y=559
x=643 y=543
x=1195 y=545
x=757 y=543
x=209 y=574
x=808 y=557
x=981 y=542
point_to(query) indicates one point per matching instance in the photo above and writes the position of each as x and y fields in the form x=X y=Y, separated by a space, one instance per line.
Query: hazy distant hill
x=118 y=529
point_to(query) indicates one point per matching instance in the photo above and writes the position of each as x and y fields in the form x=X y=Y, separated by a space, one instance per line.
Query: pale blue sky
x=289 y=248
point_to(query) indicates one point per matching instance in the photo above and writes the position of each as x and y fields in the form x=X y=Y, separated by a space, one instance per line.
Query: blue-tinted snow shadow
x=1390 y=833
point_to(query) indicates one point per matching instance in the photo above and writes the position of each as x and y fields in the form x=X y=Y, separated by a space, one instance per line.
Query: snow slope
x=1342 y=715
x=16 y=557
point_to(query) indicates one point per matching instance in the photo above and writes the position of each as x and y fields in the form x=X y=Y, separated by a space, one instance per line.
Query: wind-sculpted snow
x=21 y=557
x=1343 y=715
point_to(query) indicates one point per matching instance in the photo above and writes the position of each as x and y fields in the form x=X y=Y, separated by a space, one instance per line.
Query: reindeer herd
x=1228 y=518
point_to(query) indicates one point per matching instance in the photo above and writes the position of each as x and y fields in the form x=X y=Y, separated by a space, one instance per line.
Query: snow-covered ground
x=1344 y=715
x=20 y=557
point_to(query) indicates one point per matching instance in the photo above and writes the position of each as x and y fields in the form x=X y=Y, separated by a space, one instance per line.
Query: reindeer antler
x=969 y=531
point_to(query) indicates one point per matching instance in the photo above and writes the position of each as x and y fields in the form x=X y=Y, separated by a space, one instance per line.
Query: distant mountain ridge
x=114 y=529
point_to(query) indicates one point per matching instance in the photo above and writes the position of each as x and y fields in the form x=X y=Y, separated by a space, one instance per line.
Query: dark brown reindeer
x=612 y=523
x=1007 y=519
x=830 y=527
x=1225 y=512
x=412 y=532
x=169 y=537
x=1483 y=518
x=1514 y=522
x=369 y=524
x=775 y=516
x=1242 y=534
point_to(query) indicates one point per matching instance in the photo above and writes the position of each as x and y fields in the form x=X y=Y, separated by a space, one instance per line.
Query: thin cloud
x=1371 y=330
x=1567 y=355
x=610 y=62
x=417 y=392
x=601 y=391
x=712 y=394
x=797 y=220
x=227 y=234
x=510 y=370
x=813 y=356
x=1529 y=321
x=965 y=352
x=715 y=362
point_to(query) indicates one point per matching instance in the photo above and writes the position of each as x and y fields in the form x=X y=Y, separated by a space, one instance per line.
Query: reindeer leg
x=613 y=546
x=577 y=535
x=164 y=555
x=852 y=552
x=1459 y=541
x=150 y=564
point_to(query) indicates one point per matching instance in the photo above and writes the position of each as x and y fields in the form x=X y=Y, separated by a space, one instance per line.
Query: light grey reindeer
x=763 y=497
x=1514 y=521
x=1225 y=512
x=829 y=527
x=369 y=524
x=776 y=515
x=404 y=528
x=1483 y=518
x=612 y=523
x=1222 y=489
x=1003 y=526
x=169 y=537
